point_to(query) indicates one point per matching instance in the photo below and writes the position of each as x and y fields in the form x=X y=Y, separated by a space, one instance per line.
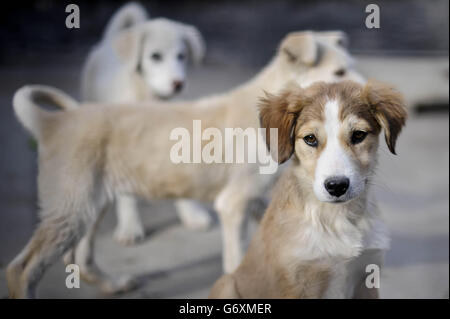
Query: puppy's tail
x=28 y=102
x=127 y=16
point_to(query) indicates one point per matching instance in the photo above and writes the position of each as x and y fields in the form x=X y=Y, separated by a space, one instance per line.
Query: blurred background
x=409 y=50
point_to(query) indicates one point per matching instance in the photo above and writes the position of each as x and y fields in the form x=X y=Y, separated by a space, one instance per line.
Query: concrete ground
x=412 y=189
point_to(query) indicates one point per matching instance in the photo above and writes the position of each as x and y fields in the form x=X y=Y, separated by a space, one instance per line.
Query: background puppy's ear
x=388 y=108
x=280 y=112
x=300 y=46
x=128 y=15
x=194 y=41
x=128 y=45
x=338 y=38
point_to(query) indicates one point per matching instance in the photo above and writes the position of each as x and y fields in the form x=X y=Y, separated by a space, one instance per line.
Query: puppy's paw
x=120 y=285
x=14 y=281
x=130 y=235
x=193 y=216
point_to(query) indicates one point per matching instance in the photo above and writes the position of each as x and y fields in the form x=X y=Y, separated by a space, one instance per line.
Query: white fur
x=128 y=15
x=193 y=215
x=129 y=225
x=107 y=77
x=344 y=240
x=334 y=160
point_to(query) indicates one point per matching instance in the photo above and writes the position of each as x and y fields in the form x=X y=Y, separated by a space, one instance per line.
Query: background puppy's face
x=319 y=56
x=163 y=63
x=160 y=50
x=333 y=131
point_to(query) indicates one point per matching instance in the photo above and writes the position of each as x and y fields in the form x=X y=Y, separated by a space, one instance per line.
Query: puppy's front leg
x=230 y=206
x=224 y=288
x=129 y=229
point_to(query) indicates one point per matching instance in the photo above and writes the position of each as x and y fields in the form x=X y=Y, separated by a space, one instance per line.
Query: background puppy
x=319 y=233
x=140 y=59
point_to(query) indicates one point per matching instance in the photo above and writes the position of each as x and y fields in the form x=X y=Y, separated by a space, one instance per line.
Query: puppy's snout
x=337 y=185
x=177 y=85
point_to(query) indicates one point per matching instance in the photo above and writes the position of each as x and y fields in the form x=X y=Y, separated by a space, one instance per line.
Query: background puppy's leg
x=129 y=229
x=230 y=206
x=193 y=215
x=52 y=238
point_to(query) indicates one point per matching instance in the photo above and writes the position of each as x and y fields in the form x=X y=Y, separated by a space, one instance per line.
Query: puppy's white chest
x=328 y=234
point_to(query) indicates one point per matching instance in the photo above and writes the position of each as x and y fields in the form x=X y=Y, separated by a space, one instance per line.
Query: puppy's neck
x=321 y=230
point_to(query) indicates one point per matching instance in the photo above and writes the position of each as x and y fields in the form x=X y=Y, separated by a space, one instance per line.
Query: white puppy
x=139 y=59
x=142 y=60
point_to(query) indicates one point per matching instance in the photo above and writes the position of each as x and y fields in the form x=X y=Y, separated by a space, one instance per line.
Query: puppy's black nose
x=177 y=85
x=337 y=185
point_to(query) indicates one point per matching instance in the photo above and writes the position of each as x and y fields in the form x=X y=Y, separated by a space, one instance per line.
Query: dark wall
x=246 y=31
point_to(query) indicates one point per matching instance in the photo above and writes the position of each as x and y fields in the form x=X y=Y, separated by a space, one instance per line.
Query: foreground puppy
x=88 y=155
x=140 y=59
x=319 y=233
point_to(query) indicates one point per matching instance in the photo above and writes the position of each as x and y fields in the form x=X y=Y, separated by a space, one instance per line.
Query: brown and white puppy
x=90 y=154
x=319 y=232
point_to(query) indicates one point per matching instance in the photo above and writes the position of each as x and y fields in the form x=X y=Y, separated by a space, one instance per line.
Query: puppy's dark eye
x=340 y=72
x=181 y=56
x=311 y=140
x=156 y=56
x=358 y=136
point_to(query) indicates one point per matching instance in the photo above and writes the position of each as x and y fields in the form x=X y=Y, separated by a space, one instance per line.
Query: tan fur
x=277 y=263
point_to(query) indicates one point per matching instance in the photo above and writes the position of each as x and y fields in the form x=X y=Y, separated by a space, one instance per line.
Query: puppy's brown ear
x=280 y=112
x=127 y=45
x=300 y=46
x=389 y=109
